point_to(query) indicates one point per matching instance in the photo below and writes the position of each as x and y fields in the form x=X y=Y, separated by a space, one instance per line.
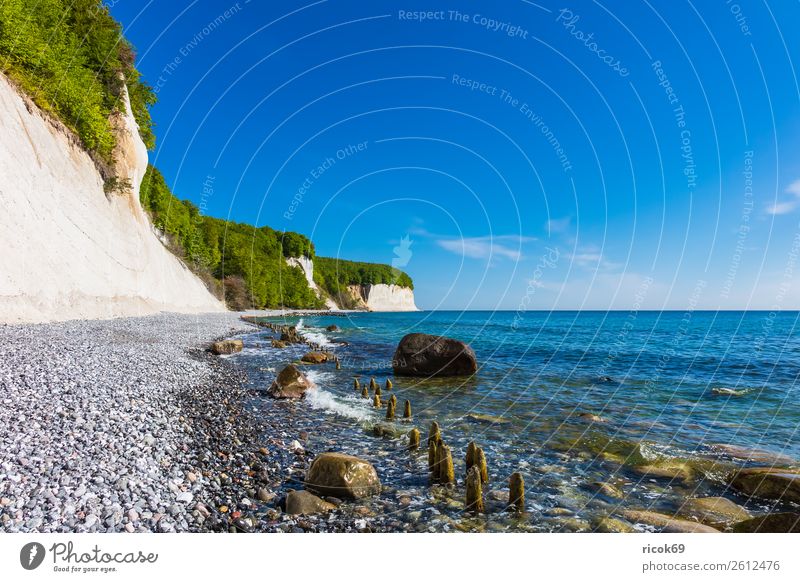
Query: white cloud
x=787 y=206
x=558 y=225
x=484 y=247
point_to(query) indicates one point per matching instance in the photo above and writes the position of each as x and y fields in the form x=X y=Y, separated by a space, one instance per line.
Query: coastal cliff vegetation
x=70 y=57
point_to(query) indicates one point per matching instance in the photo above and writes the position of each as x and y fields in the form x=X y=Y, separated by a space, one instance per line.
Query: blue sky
x=537 y=155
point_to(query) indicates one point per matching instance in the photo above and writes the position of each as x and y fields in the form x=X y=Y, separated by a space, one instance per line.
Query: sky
x=508 y=155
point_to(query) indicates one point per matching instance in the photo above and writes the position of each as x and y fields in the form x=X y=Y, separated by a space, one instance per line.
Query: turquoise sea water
x=697 y=389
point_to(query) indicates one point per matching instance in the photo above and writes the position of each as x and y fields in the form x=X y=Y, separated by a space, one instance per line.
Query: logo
x=31 y=555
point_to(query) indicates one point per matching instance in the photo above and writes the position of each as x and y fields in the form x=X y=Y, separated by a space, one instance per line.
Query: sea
x=662 y=406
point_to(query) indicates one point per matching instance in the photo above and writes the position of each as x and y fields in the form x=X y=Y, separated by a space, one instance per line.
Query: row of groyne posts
x=440 y=457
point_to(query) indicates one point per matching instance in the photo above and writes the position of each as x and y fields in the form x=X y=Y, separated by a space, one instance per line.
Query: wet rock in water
x=665 y=470
x=589 y=417
x=278 y=344
x=388 y=384
x=420 y=354
x=718 y=512
x=356 y=385
x=607 y=489
x=226 y=347
x=730 y=391
x=376 y=402
x=413 y=439
x=373 y=385
x=474 y=500
x=342 y=476
x=768 y=483
x=516 y=492
x=754 y=455
x=332 y=328
x=773 y=523
x=305 y=503
x=291 y=383
x=666 y=523
x=290 y=335
x=314 y=358
x=407 y=409
x=486 y=419
x=611 y=525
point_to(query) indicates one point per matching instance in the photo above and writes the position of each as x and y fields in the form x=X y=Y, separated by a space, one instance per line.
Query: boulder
x=305 y=503
x=332 y=328
x=718 y=512
x=342 y=476
x=290 y=335
x=772 y=523
x=278 y=344
x=666 y=523
x=315 y=358
x=665 y=470
x=607 y=489
x=291 y=383
x=419 y=354
x=768 y=483
x=226 y=347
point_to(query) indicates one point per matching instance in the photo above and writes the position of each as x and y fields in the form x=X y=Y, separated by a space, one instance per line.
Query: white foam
x=315 y=337
x=321 y=399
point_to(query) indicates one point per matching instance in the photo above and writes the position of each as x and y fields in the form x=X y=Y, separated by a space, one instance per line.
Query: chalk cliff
x=69 y=249
x=383 y=297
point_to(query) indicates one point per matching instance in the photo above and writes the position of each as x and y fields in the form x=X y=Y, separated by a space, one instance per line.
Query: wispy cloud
x=787 y=206
x=558 y=225
x=485 y=247
x=590 y=257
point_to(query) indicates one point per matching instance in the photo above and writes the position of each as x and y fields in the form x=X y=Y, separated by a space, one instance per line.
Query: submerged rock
x=420 y=354
x=611 y=525
x=487 y=419
x=291 y=383
x=305 y=503
x=718 y=512
x=754 y=455
x=772 y=523
x=342 y=476
x=666 y=470
x=278 y=344
x=768 y=483
x=226 y=347
x=666 y=523
x=332 y=328
x=607 y=489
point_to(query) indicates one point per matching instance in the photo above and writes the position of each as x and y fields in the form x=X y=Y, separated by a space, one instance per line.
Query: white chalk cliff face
x=70 y=251
x=384 y=297
x=307 y=266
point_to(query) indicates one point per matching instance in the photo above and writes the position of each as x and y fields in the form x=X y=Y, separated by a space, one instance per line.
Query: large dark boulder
x=420 y=354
